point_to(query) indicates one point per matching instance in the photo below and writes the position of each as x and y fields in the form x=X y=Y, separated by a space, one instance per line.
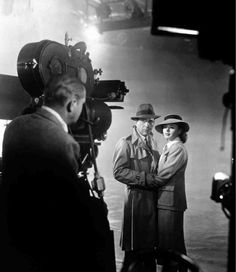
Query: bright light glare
x=91 y=33
x=178 y=30
x=221 y=176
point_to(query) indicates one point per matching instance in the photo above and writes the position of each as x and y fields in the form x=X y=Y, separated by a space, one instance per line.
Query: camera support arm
x=98 y=183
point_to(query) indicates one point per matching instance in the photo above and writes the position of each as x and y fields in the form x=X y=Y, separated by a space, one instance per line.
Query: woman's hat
x=145 y=111
x=172 y=119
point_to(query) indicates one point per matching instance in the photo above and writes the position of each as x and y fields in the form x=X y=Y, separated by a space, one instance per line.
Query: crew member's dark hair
x=60 y=88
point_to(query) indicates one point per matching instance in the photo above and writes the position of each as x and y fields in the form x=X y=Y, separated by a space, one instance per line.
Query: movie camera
x=37 y=62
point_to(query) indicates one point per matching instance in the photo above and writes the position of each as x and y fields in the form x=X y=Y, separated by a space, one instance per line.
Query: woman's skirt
x=171 y=230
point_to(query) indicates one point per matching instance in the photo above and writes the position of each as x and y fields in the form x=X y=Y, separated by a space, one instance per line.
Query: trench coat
x=132 y=160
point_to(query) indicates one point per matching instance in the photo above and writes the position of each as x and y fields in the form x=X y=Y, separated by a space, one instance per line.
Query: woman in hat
x=171 y=182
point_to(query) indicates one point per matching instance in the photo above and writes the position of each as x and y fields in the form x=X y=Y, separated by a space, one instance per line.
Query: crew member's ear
x=69 y=106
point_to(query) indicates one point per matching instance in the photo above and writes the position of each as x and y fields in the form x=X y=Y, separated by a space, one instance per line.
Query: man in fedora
x=134 y=157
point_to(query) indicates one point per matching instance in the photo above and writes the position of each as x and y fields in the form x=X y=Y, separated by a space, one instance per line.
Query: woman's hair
x=183 y=134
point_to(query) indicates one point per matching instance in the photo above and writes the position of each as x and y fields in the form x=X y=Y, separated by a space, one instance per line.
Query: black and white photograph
x=117 y=136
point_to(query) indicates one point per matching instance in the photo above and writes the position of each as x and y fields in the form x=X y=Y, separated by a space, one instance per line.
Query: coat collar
x=168 y=145
x=48 y=115
x=57 y=115
x=176 y=140
x=135 y=136
x=139 y=142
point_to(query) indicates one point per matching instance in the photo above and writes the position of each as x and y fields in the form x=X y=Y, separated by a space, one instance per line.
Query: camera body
x=37 y=62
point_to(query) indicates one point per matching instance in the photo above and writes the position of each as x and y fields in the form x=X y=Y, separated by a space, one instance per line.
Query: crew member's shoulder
x=17 y=120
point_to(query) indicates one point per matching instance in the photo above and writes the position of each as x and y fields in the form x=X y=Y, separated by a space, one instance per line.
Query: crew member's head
x=66 y=95
x=145 y=119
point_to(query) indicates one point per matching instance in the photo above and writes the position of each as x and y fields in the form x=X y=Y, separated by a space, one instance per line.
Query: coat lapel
x=46 y=114
x=165 y=153
x=140 y=150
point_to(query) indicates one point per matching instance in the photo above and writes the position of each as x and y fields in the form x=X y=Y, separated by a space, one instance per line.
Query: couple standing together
x=155 y=198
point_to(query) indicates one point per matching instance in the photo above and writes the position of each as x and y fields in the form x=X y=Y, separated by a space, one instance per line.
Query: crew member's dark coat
x=44 y=203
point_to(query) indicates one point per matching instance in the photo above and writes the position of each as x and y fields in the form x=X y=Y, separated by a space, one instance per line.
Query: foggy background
x=164 y=71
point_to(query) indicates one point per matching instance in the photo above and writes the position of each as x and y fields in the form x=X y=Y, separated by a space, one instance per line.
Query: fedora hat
x=172 y=119
x=145 y=111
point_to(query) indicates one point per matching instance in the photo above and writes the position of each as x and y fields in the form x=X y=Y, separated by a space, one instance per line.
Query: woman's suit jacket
x=171 y=178
x=131 y=161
